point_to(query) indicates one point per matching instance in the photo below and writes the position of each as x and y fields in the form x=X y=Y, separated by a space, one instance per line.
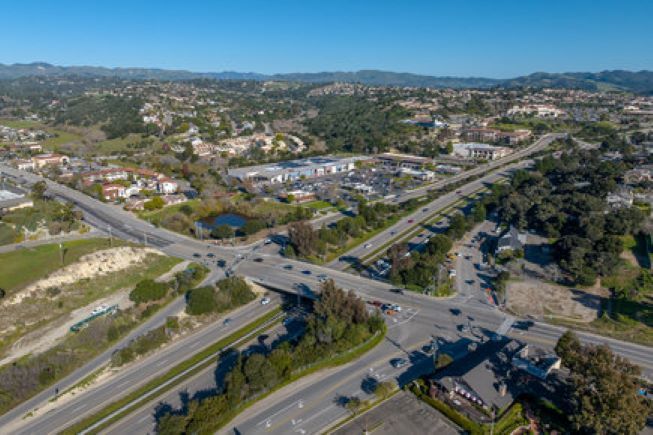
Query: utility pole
x=110 y=237
x=61 y=253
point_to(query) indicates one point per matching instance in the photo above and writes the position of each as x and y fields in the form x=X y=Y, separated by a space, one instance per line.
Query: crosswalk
x=505 y=326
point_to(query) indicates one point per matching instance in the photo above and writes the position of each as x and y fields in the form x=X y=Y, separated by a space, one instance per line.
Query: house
x=50 y=159
x=511 y=240
x=112 y=192
x=621 y=197
x=639 y=175
x=167 y=186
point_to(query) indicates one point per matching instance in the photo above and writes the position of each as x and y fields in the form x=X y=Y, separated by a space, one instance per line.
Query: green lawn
x=21 y=267
x=317 y=205
x=7 y=234
x=19 y=123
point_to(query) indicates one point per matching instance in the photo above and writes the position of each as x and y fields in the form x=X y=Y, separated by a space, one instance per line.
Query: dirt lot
x=37 y=316
x=89 y=266
x=541 y=300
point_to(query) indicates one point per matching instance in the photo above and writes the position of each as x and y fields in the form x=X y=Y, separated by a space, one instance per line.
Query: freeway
x=59 y=414
x=427 y=210
x=206 y=381
x=537 y=146
x=428 y=317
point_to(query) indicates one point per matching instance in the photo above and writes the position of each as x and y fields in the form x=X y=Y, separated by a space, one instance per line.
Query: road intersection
x=427 y=317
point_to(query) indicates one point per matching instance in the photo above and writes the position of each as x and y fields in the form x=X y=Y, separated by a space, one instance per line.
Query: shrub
x=200 y=301
x=154 y=204
x=148 y=290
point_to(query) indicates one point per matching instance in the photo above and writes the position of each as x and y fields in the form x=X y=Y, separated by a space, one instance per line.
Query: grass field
x=62 y=137
x=117 y=145
x=19 y=123
x=317 y=205
x=157 y=216
x=21 y=267
x=7 y=234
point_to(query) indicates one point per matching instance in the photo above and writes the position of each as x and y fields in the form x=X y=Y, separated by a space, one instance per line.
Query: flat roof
x=272 y=169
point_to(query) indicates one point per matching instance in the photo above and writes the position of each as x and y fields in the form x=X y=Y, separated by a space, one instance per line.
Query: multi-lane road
x=430 y=208
x=422 y=317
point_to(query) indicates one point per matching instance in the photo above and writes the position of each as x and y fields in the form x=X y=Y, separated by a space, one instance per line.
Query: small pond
x=235 y=221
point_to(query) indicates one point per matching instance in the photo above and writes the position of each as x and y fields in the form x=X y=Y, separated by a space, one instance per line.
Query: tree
x=354 y=404
x=383 y=389
x=3 y=293
x=200 y=301
x=252 y=226
x=223 y=231
x=604 y=389
x=302 y=237
x=154 y=204
x=479 y=213
x=38 y=190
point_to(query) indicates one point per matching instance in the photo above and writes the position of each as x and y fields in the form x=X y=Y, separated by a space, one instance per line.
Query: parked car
x=287 y=266
x=265 y=301
x=210 y=255
x=397 y=290
x=258 y=260
x=398 y=363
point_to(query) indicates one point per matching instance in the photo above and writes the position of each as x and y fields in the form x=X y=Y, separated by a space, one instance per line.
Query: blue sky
x=491 y=38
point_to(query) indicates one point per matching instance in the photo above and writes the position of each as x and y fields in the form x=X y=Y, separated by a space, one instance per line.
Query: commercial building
x=291 y=170
x=395 y=160
x=493 y=375
x=481 y=151
x=493 y=135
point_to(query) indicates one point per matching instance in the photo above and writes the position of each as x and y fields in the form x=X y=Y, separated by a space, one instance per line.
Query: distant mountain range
x=638 y=82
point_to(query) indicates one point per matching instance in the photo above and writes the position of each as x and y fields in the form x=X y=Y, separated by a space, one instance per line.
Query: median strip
x=187 y=368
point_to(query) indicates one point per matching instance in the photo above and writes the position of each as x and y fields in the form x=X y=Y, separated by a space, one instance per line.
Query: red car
x=410 y=221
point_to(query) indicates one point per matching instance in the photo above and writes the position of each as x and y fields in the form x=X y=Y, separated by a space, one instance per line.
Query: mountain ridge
x=633 y=81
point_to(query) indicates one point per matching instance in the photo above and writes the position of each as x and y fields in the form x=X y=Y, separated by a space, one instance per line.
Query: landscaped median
x=129 y=403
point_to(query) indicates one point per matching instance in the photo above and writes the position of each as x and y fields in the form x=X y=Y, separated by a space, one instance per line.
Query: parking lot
x=403 y=413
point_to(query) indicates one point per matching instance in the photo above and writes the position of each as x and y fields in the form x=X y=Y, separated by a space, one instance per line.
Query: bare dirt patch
x=540 y=300
x=88 y=267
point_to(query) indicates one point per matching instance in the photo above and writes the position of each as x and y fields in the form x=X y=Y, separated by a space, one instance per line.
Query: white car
x=396 y=308
x=368 y=246
x=265 y=301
